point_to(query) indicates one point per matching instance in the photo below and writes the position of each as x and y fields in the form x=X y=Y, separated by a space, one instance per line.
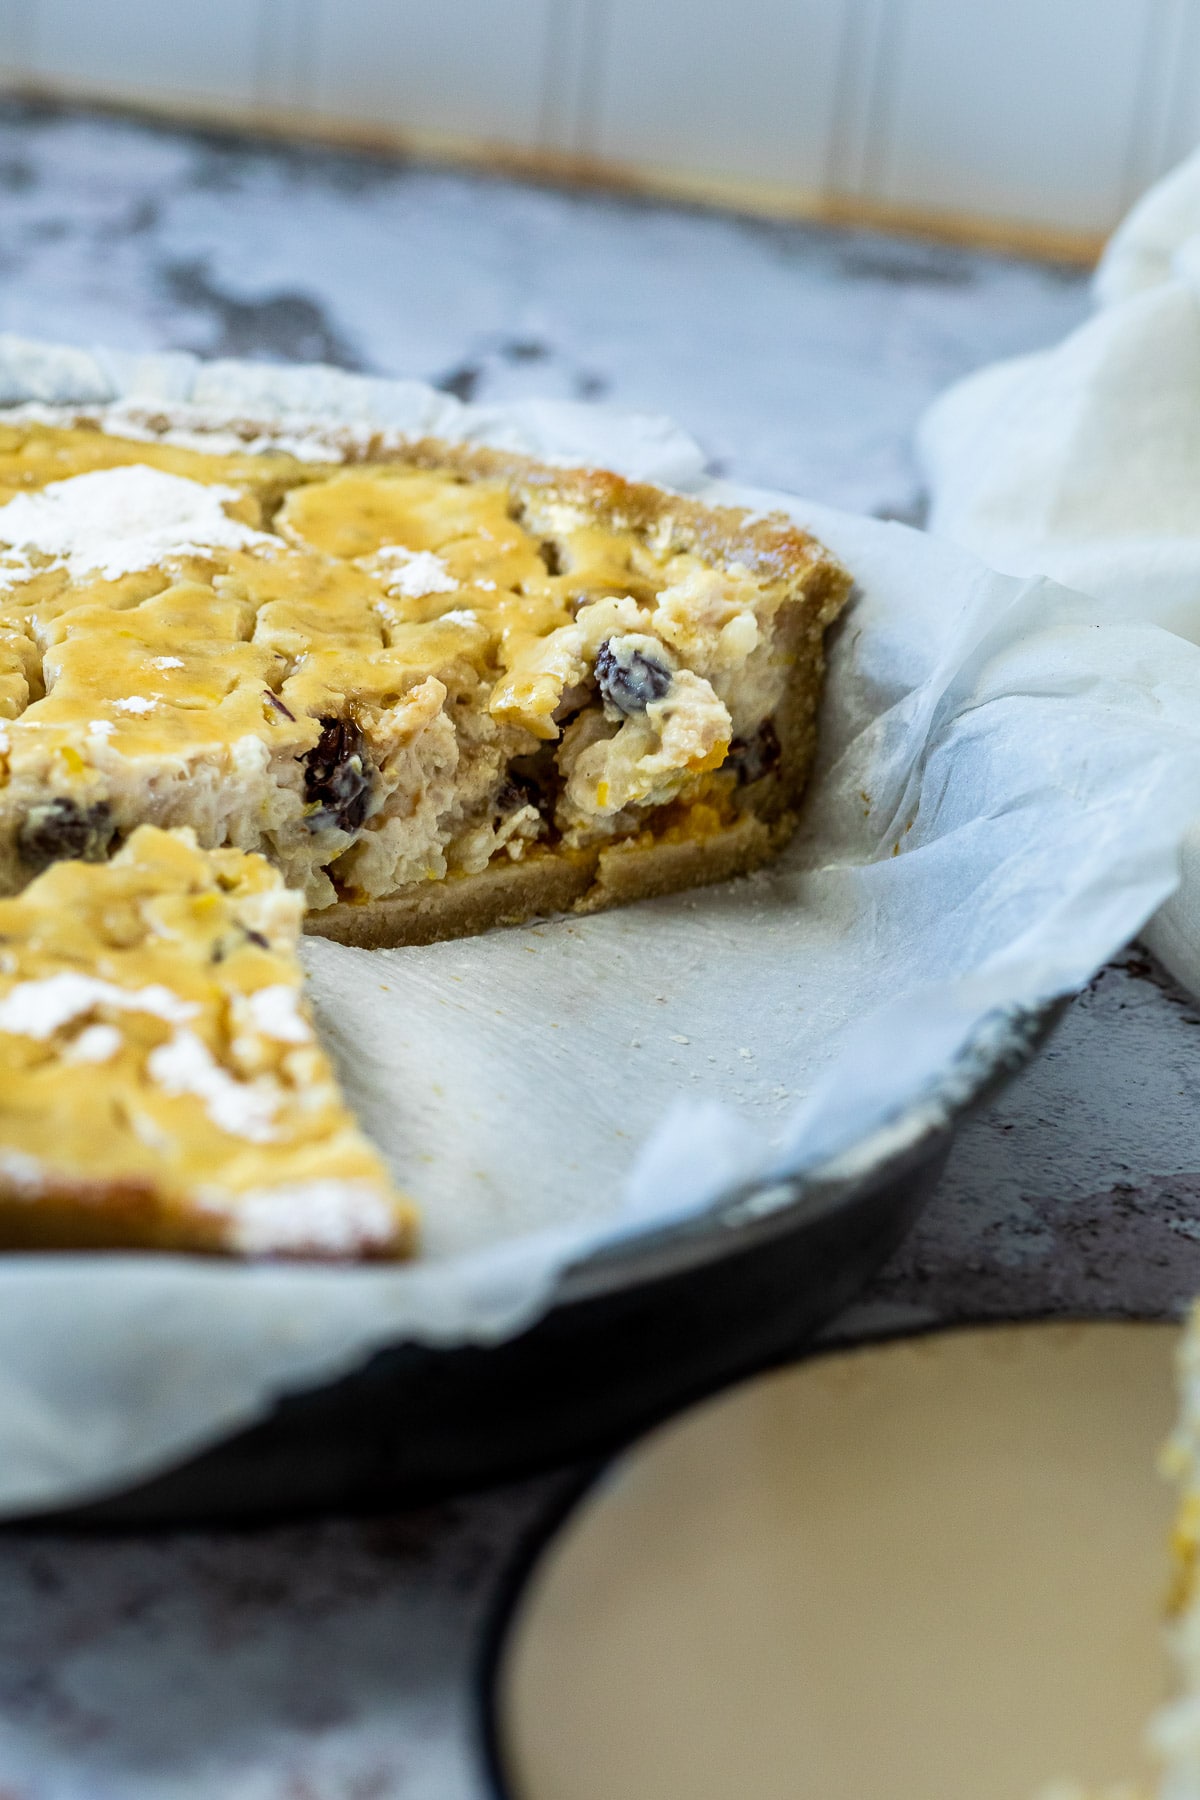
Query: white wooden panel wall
x=1018 y=107
x=469 y=68
x=746 y=89
x=1168 y=123
x=1051 y=112
x=209 y=51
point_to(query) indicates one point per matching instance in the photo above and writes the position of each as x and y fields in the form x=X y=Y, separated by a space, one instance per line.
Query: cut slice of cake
x=160 y=1082
x=438 y=686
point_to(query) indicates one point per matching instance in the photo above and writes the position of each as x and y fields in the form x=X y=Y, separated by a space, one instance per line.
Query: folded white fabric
x=1083 y=462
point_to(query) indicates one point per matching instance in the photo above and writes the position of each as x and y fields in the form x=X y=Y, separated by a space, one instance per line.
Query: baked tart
x=438 y=686
x=407 y=688
x=161 y=1085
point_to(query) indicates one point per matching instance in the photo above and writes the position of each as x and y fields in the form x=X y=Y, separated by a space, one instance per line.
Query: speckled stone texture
x=334 y=1661
x=1078 y=1191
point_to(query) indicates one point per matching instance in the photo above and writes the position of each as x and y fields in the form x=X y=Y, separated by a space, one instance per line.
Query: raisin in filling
x=64 y=831
x=630 y=682
x=337 y=777
x=753 y=757
x=516 y=791
x=530 y=781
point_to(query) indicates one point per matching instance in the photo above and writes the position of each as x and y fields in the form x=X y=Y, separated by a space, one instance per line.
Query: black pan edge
x=666 y=1321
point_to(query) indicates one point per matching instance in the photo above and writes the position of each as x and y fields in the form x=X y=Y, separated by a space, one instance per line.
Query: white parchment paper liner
x=1003 y=789
x=1082 y=462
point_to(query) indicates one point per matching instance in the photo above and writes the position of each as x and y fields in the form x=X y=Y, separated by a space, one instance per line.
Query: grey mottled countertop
x=333 y=1661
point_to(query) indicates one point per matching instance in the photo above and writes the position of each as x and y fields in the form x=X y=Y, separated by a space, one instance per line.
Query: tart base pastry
x=161 y=1086
x=438 y=686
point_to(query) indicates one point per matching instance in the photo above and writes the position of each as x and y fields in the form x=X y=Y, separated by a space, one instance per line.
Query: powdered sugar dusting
x=314 y=1218
x=135 y=703
x=22 y=1172
x=37 y=1009
x=14 y=568
x=97 y=1044
x=412 y=573
x=184 y=1065
x=112 y=522
x=307 y=437
x=275 y=1012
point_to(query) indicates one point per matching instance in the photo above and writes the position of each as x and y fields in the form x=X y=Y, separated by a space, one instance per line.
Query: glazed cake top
x=156 y=596
x=154 y=1046
x=339 y=662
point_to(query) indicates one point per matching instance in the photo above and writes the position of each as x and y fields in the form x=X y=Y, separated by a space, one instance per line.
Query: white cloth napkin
x=1083 y=462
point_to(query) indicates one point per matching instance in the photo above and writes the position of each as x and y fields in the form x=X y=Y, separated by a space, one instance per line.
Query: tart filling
x=413 y=665
x=160 y=1081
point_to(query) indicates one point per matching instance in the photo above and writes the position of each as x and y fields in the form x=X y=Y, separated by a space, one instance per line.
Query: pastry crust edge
x=64 y=1213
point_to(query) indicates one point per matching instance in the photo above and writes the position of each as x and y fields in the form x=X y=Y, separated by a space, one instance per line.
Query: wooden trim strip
x=560 y=168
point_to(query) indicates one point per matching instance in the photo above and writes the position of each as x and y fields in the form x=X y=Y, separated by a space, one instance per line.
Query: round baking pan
x=634 y=1333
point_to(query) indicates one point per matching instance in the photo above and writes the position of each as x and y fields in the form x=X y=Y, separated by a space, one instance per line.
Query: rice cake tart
x=438 y=686
x=160 y=1082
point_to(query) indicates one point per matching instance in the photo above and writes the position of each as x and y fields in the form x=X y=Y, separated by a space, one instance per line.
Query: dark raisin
x=630 y=680
x=337 y=777
x=530 y=781
x=753 y=757
x=517 y=790
x=64 y=831
x=256 y=937
x=551 y=556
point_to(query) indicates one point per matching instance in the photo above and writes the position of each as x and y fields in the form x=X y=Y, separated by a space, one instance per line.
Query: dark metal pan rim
x=757 y=1212
x=625 y=1337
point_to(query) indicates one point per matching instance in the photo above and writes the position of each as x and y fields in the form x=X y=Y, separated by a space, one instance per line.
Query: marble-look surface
x=334 y=1661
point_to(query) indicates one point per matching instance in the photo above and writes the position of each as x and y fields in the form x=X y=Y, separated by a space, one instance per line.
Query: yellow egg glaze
x=160 y=1081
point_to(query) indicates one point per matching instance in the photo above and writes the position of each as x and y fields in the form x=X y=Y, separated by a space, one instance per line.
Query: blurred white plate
x=925 y=1569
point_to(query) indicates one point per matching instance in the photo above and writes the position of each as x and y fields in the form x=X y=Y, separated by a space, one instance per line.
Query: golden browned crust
x=547 y=883
x=769 y=545
x=99 y=1215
